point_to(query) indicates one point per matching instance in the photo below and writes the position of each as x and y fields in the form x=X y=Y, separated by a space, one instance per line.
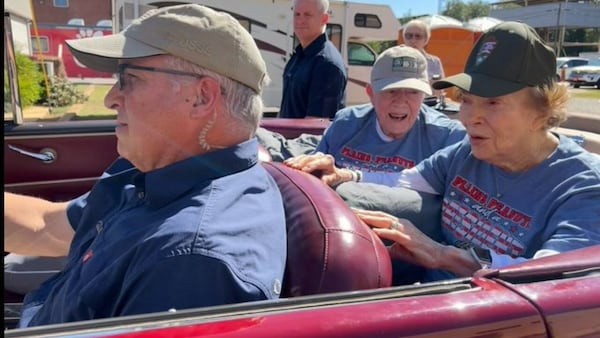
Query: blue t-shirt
x=554 y=205
x=352 y=139
x=314 y=81
x=207 y=230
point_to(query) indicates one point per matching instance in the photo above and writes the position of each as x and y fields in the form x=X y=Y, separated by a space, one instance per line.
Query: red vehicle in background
x=50 y=40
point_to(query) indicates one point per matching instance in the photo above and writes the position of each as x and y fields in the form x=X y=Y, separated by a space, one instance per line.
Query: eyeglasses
x=122 y=67
x=409 y=36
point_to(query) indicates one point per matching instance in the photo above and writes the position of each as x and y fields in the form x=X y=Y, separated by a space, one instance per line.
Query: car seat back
x=328 y=248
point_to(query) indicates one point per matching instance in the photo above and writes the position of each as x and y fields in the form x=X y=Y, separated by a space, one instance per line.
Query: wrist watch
x=358 y=174
x=482 y=256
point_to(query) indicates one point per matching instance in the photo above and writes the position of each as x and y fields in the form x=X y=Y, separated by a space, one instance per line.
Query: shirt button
x=277 y=287
x=99 y=226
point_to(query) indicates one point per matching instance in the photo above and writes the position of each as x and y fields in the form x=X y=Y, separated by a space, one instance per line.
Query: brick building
x=77 y=12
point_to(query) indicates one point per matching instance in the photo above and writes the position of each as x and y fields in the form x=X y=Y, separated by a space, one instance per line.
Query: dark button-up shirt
x=314 y=81
x=204 y=231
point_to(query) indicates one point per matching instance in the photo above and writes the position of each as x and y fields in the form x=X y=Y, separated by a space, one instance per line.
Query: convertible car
x=337 y=281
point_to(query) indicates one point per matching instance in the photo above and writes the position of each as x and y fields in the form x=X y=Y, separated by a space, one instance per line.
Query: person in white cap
x=513 y=190
x=185 y=217
x=374 y=142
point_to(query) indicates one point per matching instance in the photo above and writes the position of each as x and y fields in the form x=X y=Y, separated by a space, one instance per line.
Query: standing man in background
x=314 y=79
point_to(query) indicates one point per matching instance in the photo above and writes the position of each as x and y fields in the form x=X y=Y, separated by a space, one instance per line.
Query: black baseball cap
x=508 y=57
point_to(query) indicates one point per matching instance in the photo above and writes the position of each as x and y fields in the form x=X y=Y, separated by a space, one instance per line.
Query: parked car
x=565 y=64
x=588 y=75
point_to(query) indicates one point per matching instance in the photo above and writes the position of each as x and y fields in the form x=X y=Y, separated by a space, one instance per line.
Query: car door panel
x=81 y=150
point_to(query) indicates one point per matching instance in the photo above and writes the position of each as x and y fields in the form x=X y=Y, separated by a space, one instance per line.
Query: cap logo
x=405 y=64
x=486 y=49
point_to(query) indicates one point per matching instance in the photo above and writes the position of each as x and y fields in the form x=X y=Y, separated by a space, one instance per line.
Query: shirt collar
x=314 y=47
x=162 y=185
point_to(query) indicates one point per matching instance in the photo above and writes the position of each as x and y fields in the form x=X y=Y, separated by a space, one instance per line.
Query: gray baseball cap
x=400 y=67
x=213 y=40
x=508 y=57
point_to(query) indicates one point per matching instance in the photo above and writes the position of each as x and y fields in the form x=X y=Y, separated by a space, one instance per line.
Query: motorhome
x=351 y=26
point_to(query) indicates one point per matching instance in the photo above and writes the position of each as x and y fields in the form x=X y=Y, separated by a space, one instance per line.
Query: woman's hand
x=322 y=166
x=411 y=245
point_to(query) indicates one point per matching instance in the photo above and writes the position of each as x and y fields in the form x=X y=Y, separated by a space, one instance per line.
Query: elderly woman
x=416 y=34
x=513 y=190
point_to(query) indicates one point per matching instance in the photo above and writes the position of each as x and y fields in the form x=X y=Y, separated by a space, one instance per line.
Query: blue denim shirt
x=207 y=230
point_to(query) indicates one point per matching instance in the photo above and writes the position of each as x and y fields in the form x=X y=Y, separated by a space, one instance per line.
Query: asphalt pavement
x=584 y=105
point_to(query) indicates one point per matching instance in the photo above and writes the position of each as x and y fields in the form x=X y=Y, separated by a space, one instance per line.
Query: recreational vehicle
x=351 y=26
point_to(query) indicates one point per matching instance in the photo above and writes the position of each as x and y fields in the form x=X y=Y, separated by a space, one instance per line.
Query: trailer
x=351 y=26
x=48 y=44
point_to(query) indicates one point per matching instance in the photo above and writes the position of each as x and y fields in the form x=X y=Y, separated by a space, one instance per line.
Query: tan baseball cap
x=400 y=67
x=213 y=40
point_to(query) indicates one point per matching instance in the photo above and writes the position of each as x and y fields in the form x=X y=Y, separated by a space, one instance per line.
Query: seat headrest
x=329 y=248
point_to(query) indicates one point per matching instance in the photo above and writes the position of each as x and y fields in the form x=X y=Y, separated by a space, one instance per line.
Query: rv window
x=245 y=23
x=360 y=55
x=76 y=22
x=104 y=23
x=334 y=33
x=61 y=3
x=43 y=44
x=367 y=21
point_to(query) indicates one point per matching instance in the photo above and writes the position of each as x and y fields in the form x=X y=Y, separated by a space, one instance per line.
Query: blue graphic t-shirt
x=554 y=205
x=352 y=139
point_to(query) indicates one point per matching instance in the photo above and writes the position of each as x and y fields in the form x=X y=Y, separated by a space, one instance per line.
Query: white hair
x=323 y=5
x=241 y=101
x=421 y=25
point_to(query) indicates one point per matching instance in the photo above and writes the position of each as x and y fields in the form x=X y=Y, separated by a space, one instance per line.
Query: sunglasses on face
x=122 y=67
x=410 y=36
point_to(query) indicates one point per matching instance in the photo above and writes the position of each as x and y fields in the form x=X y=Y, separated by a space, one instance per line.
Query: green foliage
x=584 y=35
x=465 y=11
x=7 y=88
x=458 y=9
x=62 y=93
x=30 y=79
x=380 y=46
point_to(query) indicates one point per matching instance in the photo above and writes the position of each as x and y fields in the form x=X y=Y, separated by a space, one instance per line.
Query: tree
x=464 y=11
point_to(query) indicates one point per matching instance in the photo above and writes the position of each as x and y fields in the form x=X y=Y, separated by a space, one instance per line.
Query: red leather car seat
x=328 y=248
